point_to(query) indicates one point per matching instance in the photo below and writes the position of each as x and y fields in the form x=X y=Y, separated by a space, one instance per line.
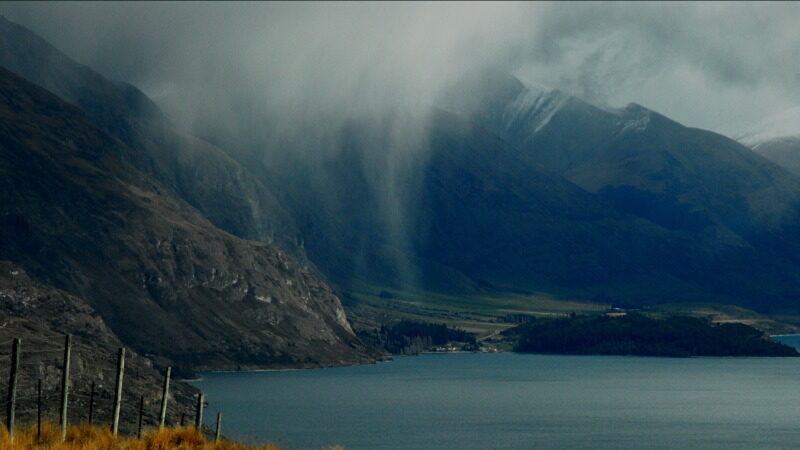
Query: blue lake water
x=515 y=401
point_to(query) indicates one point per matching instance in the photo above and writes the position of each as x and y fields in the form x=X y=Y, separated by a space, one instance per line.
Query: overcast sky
x=722 y=66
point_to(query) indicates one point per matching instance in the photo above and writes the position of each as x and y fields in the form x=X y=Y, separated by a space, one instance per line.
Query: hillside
x=76 y=215
x=471 y=214
x=194 y=170
x=742 y=210
x=40 y=315
x=642 y=162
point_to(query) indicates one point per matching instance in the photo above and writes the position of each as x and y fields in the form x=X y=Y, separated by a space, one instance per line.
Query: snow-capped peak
x=533 y=106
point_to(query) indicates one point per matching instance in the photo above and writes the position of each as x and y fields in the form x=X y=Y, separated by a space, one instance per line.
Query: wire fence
x=90 y=400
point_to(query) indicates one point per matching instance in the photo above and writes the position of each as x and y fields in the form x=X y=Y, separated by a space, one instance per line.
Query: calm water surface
x=511 y=401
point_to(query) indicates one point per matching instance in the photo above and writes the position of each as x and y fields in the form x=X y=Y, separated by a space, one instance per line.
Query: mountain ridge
x=197 y=171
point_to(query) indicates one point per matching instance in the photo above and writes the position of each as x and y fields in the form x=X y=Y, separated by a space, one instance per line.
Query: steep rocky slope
x=76 y=215
x=198 y=172
x=40 y=315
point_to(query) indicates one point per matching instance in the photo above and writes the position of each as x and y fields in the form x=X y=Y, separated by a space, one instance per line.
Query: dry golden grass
x=86 y=437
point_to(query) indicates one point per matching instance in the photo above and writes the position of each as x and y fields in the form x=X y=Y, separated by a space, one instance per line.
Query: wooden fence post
x=39 y=410
x=65 y=386
x=91 y=404
x=198 y=418
x=219 y=427
x=12 y=387
x=118 y=391
x=164 y=395
x=141 y=416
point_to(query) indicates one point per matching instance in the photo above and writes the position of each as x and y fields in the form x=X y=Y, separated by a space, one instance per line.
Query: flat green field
x=484 y=314
x=479 y=314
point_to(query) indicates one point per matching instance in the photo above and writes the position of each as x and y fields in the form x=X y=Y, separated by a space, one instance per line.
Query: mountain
x=472 y=214
x=195 y=170
x=503 y=221
x=78 y=216
x=639 y=160
x=644 y=164
x=498 y=217
x=510 y=189
x=517 y=189
x=500 y=188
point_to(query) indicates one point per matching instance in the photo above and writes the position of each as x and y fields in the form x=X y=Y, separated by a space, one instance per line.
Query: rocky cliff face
x=40 y=315
x=77 y=215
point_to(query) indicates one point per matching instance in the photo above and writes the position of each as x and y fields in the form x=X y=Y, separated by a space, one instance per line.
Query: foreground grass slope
x=87 y=437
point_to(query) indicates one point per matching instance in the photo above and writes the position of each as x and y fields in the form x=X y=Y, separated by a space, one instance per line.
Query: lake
x=516 y=401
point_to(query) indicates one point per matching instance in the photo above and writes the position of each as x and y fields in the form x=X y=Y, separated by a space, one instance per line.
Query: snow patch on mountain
x=534 y=108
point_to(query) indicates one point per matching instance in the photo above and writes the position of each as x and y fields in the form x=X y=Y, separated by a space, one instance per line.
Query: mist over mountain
x=213 y=205
x=779 y=125
x=784 y=151
x=518 y=188
x=195 y=170
x=640 y=151
x=302 y=185
x=777 y=138
x=78 y=216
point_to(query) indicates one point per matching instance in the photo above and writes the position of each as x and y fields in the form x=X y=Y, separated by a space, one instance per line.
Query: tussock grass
x=87 y=437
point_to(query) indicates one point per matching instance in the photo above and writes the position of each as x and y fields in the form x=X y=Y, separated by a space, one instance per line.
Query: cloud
x=709 y=64
x=289 y=78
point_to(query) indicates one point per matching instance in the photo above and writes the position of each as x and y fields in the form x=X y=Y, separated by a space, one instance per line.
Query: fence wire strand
x=38 y=354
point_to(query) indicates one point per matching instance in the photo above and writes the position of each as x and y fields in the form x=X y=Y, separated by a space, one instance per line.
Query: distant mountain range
x=525 y=190
x=213 y=256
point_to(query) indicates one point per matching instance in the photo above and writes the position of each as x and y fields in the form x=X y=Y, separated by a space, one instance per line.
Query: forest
x=639 y=334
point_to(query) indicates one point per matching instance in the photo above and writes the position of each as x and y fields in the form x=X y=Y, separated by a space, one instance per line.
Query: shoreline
x=391 y=359
x=285 y=369
x=200 y=379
